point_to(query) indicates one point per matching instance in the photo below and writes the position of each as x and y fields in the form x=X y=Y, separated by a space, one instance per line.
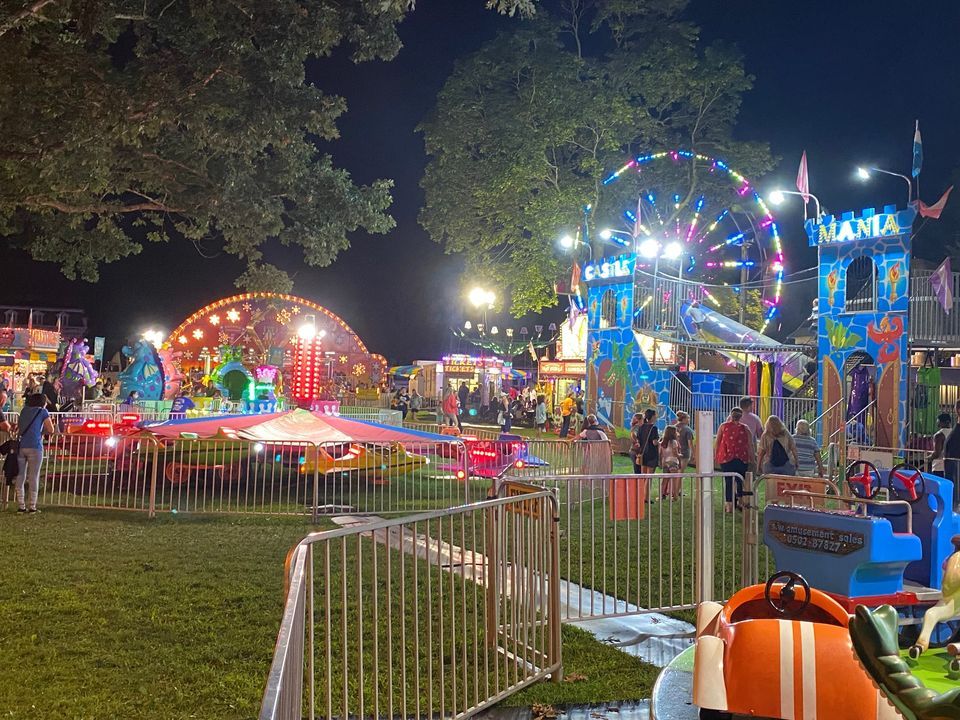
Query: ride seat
x=844 y=554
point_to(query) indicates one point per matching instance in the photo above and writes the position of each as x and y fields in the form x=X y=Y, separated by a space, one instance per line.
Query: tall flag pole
x=803 y=183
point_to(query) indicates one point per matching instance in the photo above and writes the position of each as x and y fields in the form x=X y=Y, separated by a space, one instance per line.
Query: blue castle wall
x=881 y=331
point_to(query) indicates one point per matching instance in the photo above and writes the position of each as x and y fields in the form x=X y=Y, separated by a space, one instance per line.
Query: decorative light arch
x=259 y=321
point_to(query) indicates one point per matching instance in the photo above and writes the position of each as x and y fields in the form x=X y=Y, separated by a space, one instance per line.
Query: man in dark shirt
x=951 y=454
x=49 y=391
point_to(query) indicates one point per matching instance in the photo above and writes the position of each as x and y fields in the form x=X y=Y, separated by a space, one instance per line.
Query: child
x=685 y=437
x=540 y=415
x=670 y=462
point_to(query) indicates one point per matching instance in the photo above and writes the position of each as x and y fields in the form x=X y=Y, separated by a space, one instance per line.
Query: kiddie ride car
x=868 y=551
x=95 y=440
x=779 y=650
x=377 y=462
x=492 y=458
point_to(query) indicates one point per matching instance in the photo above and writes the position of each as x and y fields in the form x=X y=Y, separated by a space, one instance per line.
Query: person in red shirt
x=734 y=453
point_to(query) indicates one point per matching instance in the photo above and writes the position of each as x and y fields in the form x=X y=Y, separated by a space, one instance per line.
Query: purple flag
x=942 y=283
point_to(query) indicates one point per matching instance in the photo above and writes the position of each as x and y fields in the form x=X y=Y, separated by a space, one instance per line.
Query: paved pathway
x=653 y=637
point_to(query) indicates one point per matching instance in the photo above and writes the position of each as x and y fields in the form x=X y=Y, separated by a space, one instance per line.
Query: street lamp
x=863 y=173
x=569 y=242
x=154 y=337
x=609 y=235
x=479 y=297
x=777 y=197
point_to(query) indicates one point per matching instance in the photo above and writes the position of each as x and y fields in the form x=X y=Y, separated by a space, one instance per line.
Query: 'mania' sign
x=868 y=226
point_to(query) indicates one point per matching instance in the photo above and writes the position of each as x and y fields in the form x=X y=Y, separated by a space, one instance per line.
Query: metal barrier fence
x=377 y=415
x=222 y=475
x=624 y=549
x=437 y=615
x=242 y=476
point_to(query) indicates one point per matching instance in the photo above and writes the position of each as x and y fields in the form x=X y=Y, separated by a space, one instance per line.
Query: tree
x=127 y=121
x=526 y=129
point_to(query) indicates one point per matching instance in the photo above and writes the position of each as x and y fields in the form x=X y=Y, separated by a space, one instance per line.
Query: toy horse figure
x=144 y=373
x=76 y=372
x=949 y=605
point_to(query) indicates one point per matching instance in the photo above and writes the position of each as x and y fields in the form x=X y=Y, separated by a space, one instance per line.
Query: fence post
x=152 y=509
x=703 y=538
x=553 y=591
x=315 y=514
x=491 y=578
x=749 y=553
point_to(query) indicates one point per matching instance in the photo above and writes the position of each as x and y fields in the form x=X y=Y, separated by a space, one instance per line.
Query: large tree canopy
x=525 y=130
x=124 y=121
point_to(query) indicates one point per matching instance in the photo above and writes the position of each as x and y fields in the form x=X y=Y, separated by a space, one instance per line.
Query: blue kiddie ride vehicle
x=884 y=543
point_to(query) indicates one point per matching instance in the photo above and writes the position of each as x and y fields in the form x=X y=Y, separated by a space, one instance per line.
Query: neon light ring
x=725 y=232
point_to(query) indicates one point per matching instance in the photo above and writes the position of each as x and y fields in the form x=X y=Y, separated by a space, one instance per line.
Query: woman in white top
x=944 y=424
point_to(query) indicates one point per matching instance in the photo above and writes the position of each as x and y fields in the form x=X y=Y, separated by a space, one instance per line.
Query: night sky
x=843 y=80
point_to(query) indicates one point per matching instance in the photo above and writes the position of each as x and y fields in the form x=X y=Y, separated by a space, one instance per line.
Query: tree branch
x=31 y=10
x=101 y=209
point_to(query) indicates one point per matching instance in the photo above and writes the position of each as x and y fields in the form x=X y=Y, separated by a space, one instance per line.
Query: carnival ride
x=255 y=347
x=871 y=551
x=748 y=656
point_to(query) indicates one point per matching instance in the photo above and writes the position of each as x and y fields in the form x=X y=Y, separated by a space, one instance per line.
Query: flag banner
x=942 y=283
x=803 y=180
x=933 y=211
x=917 y=150
x=533 y=351
x=575 y=277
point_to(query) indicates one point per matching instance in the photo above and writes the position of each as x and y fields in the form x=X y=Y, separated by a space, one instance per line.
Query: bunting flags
x=933 y=211
x=803 y=180
x=917 y=150
x=942 y=282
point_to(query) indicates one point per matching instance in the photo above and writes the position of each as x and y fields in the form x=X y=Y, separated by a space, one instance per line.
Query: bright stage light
x=776 y=197
x=307 y=331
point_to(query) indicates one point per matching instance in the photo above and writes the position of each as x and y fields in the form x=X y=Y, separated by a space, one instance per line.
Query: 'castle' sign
x=868 y=226
x=609 y=268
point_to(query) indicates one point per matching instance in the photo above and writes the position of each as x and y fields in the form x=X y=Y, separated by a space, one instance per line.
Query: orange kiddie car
x=781 y=650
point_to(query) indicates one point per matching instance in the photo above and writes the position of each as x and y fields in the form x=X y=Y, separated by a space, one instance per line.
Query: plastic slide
x=702 y=324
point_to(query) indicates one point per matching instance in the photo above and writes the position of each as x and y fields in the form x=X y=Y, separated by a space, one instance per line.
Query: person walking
x=750 y=418
x=449 y=407
x=580 y=416
x=685 y=437
x=808 y=452
x=645 y=449
x=670 y=463
x=33 y=424
x=734 y=453
x=463 y=394
x=935 y=461
x=540 y=415
x=777 y=453
x=416 y=402
x=505 y=413
x=567 y=408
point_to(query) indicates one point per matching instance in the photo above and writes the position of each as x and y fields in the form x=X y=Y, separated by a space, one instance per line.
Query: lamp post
x=569 y=242
x=863 y=173
x=777 y=198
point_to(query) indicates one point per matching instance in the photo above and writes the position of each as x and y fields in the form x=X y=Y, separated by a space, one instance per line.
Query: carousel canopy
x=292 y=426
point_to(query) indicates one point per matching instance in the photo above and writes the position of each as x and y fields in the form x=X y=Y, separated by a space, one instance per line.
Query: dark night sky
x=843 y=80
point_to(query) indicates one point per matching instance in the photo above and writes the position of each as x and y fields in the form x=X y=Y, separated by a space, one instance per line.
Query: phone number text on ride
x=818 y=539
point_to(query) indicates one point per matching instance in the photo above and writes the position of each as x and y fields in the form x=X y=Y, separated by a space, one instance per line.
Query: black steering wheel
x=909 y=483
x=864 y=484
x=784 y=603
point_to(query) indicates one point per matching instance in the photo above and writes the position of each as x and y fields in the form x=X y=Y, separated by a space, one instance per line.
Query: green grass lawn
x=107 y=614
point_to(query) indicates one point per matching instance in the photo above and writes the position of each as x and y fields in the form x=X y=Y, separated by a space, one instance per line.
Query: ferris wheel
x=695 y=219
